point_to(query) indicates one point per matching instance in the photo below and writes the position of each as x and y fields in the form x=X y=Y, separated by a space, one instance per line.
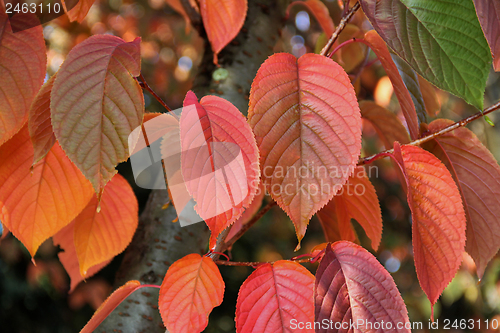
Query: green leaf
x=441 y=39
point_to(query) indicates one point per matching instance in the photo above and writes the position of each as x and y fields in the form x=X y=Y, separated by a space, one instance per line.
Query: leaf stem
x=144 y=85
x=255 y=263
x=431 y=136
x=340 y=28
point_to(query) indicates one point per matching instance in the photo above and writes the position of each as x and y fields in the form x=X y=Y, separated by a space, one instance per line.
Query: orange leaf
x=96 y=103
x=388 y=126
x=219 y=160
x=190 y=290
x=378 y=46
x=36 y=204
x=320 y=12
x=24 y=52
x=306 y=120
x=103 y=230
x=438 y=217
x=477 y=174
x=358 y=201
x=39 y=124
x=65 y=239
x=223 y=20
x=110 y=304
x=178 y=7
x=79 y=11
x=273 y=296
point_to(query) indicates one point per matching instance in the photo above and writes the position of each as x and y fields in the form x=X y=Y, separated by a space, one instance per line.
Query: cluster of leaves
x=60 y=144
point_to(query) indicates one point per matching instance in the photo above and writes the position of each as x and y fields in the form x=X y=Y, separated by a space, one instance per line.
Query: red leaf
x=65 y=239
x=223 y=20
x=305 y=115
x=24 y=52
x=438 y=217
x=274 y=295
x=103 y=230
x=219 y=160
x=320 y=12
x=36 y=204
x=39 y=124
x=249 y=212
x=96 y=103
x=358 y=201
x=352 y=287
x=79 y=11
x=190 y=290
x=110 y=304
x=388 y=126
x=378 y=46
x=477 y=174
x=488 y=13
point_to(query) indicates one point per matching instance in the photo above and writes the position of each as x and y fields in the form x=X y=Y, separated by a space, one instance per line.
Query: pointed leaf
x=103 y=230
x=39 y=123
x=438 y=217
x=78 y=11
x=219 y=160
x=36 y=204
x=488 y=13
x=352 y=287
x=387 y=125
x=320 y=12
x=64 y=238
x=274 y=295
x=306 y=120
x=379 y=47
x=249 y=212
x=441 y=40
x=190 y=290
x=223 y=20
x=478 y=177
x=110 y=304
x=410 y=79
x=96 y=103
x=357 y=200
x=431 y=101
x=23 y=64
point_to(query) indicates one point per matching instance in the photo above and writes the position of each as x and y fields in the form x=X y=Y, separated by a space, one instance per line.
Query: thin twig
x=431 y=136
x=253 y=264
x=340 y=28
x=226 y=245
x=145 y=85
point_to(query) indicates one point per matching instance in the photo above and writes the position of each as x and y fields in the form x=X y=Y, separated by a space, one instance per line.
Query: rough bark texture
x=159 y=242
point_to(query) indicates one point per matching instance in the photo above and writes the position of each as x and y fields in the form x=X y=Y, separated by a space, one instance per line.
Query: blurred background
x=36 y=299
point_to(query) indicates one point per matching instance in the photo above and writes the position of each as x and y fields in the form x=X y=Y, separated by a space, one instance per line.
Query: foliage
x=61 y=141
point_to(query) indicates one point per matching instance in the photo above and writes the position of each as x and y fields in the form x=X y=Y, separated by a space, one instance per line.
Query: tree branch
x=343 y=22
x=431 y=136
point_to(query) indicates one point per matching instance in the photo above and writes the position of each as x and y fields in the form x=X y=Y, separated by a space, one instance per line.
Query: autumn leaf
x=65 y=239
x=389 y=128
x=36 y=204
x=248 y=213
x=24 y=52
x=178 y=7
x=488 y=13
x=223 y=20
x=110 y=304
x=39 y=123
x=190 y=290
x=431 y=101
x=378 y=46
x=320 y=12
x=219 y=160
x=437 y=214
x=477 y=174
x=306 y=119
x=104 y=229
x=357 y=200
x=272 y=296
x=96 y=103
x=79 y=11
x=352 y=286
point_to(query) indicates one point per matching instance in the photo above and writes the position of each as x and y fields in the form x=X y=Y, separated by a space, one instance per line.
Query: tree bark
x=158 y=242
